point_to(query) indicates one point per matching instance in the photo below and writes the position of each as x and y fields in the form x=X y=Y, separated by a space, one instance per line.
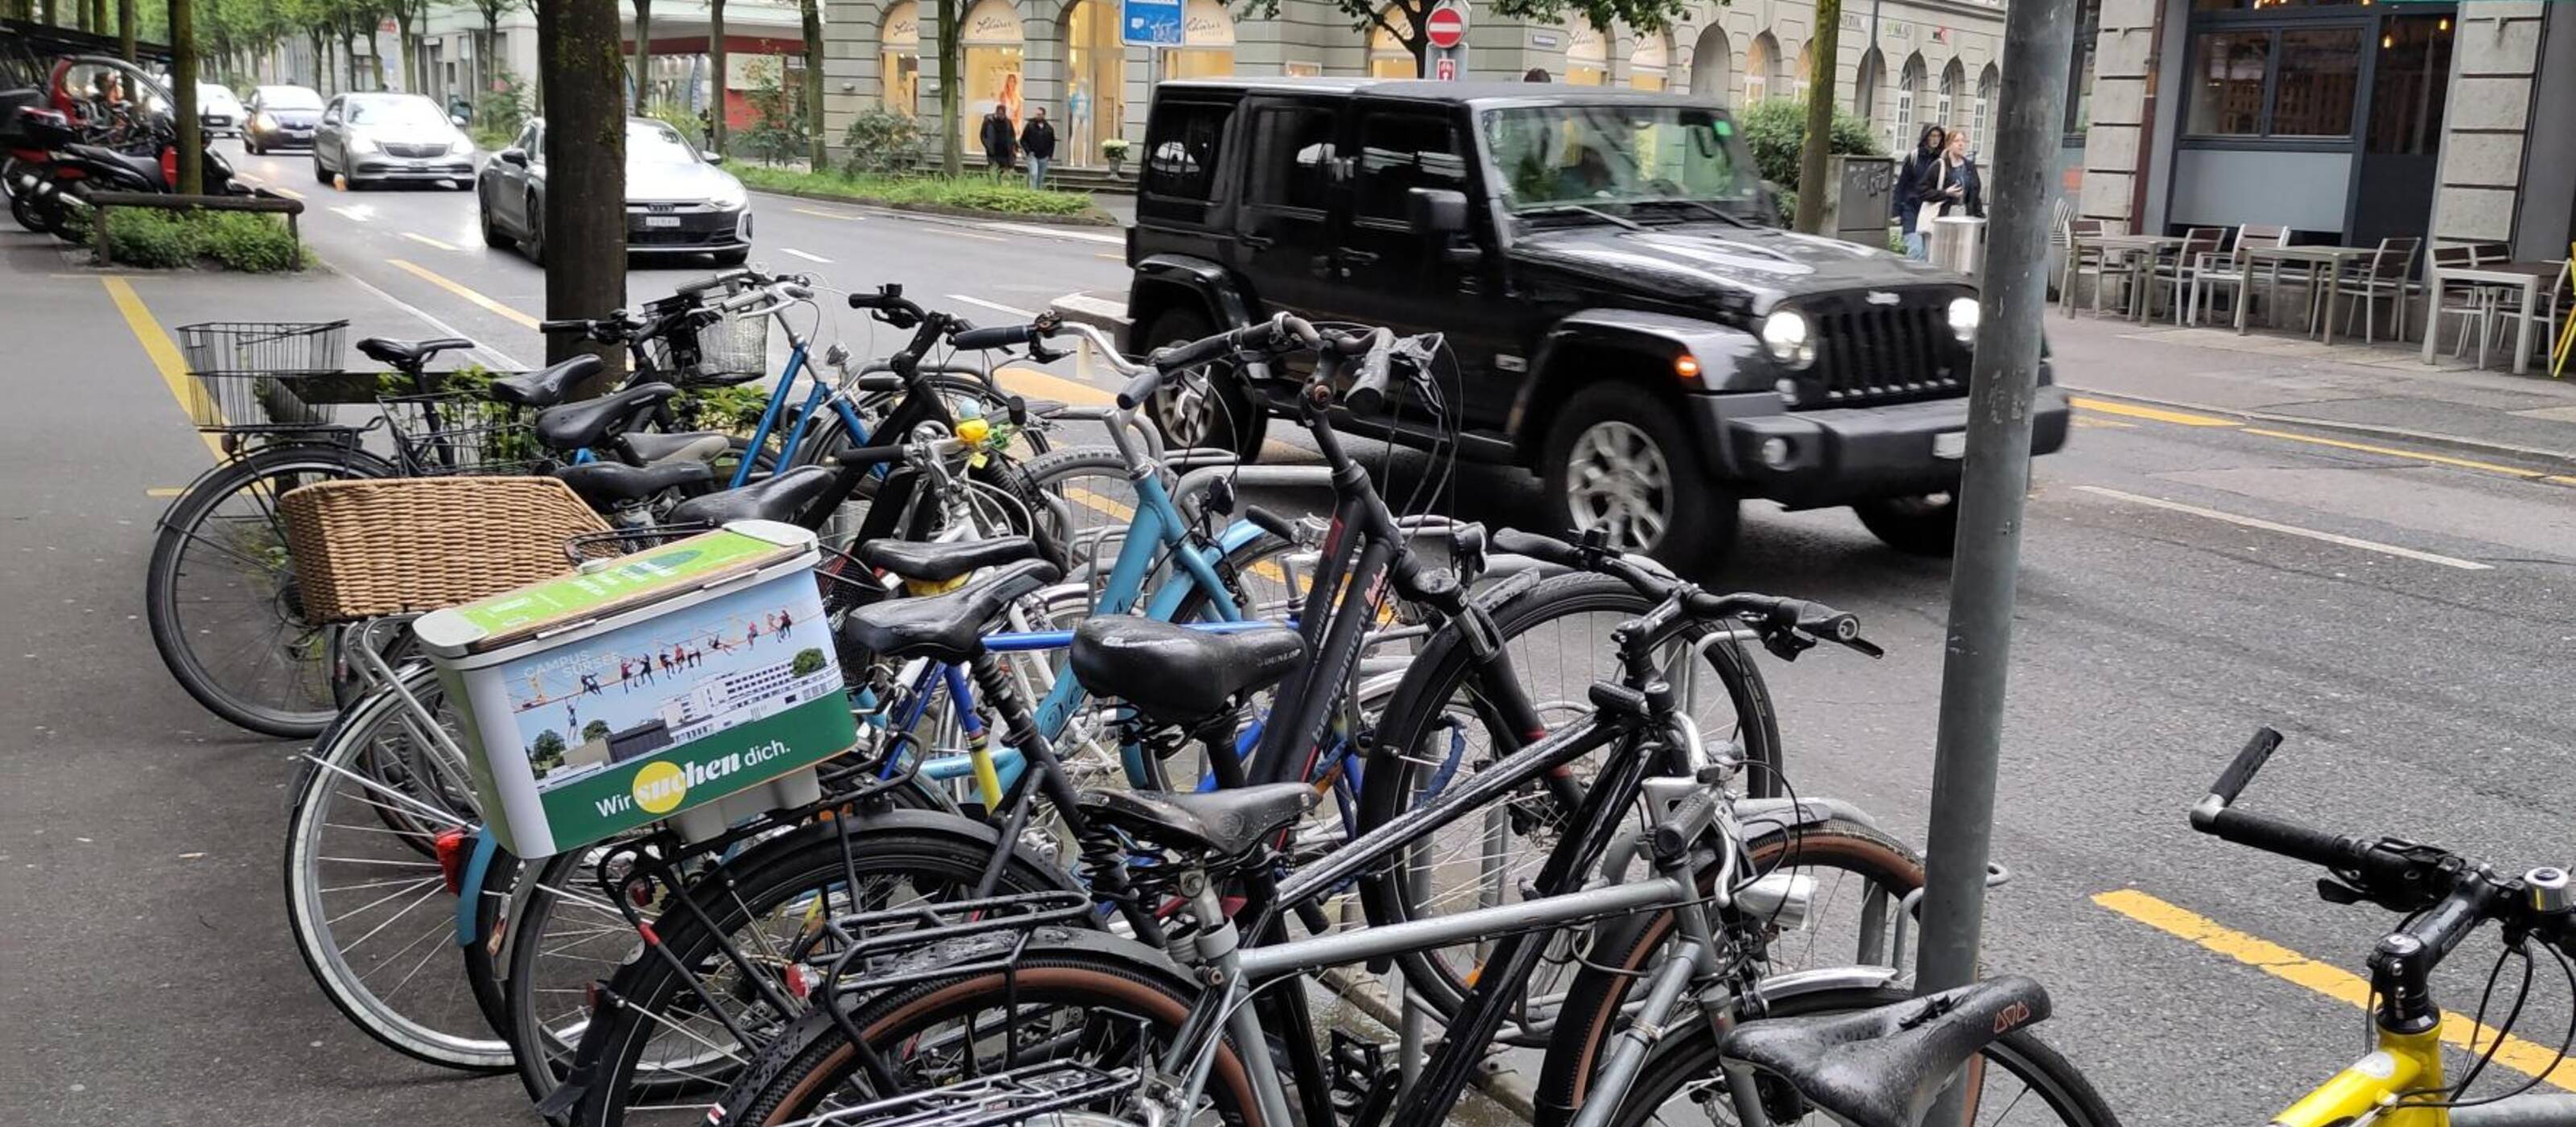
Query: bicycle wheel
x=1085 y=502
x=1078 y=998
x=655 y=1055
x=367 y=901
x=2015 y=1079
x=221 y=598
x=1441 y=727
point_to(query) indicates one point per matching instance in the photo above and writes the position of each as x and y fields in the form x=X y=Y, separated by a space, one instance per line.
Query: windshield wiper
x=1704 y=205
x=1580 y=209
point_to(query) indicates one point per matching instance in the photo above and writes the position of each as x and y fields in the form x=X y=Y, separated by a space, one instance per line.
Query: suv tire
x=1618 y=457
x=1226 y=417
x=1922 y=526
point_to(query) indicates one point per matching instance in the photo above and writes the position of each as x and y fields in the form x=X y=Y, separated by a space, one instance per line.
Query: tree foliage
x=1407 y=20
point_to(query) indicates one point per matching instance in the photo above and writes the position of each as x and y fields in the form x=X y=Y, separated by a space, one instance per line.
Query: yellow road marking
x=1032 y=383
x=2332 y=981
x=965 y=234
x=2159 y=414
x=2561 y=479
x=1110 y=507
x=2088 y=422
x=433 y=278
x=1110 y=257
x=2394 y=452
x=289 y=193
x=429 y=241
x=165 y=354
x=824 y=214
x=164 y=491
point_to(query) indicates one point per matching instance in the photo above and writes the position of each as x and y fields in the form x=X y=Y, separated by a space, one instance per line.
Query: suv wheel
x=1924 y=526
x=492 y=236
x=1619 y=462
x=1210 y=407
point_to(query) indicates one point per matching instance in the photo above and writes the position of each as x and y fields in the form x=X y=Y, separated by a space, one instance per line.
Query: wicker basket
x=399 y=545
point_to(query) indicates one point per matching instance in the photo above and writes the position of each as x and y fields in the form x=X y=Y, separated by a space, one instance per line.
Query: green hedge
x=169 y=240
x=1776 y=131
x=1006 y=195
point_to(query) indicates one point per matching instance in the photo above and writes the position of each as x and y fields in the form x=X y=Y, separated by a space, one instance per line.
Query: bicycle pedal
x=1359 y=1076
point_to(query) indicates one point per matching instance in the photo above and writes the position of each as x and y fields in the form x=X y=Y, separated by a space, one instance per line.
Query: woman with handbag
x=1919 y=189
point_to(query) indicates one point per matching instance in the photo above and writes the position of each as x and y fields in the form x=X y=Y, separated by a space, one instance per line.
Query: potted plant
x=1114 y=150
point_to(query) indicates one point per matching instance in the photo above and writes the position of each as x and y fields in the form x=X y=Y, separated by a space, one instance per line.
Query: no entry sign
x=1447 y=26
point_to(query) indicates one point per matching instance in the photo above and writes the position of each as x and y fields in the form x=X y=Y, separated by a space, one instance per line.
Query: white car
x=220 y=112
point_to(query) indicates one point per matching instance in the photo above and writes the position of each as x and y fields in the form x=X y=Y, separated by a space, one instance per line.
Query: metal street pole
x=2038 y=35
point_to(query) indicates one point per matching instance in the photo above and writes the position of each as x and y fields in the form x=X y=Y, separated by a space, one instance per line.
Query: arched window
x=1711 y=65
x=1952 y=77
x=1095 y=68
x=1587 y=60
x=1760 y=64
x=1986 y=83
x=1207 y=30
x=1866 y=96
x=1647 y=63
x=1806 y=70
x=1909 y=106
x=899 y=60
x=990 y=35
x=1388 y=56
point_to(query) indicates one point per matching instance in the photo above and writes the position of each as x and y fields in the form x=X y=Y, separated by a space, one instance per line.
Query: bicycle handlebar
x=1773 y=615
x=1004 y=336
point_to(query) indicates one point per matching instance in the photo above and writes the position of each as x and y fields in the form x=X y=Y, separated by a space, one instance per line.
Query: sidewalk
x=2383 y=390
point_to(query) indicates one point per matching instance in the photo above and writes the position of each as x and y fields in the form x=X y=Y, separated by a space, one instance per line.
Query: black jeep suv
x=1627 y=319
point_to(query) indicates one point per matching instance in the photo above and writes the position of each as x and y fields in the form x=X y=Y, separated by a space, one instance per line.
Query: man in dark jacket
x=999 y=139
x=1037 y=142
x=1918 y=182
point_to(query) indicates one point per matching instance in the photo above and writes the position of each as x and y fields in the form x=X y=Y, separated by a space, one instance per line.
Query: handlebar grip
x=744 y=300
x=571 y=325
x=710 y=283
x=1271 y=523
x=1140 y=388
x=2258 y=750
x=1544 y=549
x=1690 y=818
x=2285 y=838
x=867 y=301
x=1367 y=395
x=1824 y=622
x=998 y=336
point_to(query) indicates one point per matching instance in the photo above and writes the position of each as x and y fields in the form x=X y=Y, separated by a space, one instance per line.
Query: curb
x=2563 y=460
x=943 y=212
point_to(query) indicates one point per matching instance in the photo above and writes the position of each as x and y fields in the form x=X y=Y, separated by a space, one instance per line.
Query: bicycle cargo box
x=693 y=682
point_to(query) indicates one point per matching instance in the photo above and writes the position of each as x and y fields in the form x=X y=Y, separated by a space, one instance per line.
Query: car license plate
x=420 y=166
x=661 y=221
x=1951 y=445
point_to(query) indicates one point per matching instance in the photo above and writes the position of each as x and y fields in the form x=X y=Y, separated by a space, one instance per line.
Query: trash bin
x=1958 y=243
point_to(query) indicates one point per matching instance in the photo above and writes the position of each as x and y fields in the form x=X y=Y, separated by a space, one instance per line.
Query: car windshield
x=214 y=95
x=1620 y=157
x=397 y=113
x=651 y=142
x=289 y=98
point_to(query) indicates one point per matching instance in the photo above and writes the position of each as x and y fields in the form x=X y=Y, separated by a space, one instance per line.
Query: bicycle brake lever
x=1038 y=351
x=1786 y=645
x=1864 y=647
x=2334 y=891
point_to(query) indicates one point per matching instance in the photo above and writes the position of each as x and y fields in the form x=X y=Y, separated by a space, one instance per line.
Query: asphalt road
x=2405 y=619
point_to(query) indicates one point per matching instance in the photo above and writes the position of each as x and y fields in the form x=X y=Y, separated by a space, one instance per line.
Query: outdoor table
x=2140 y=252
x=2528 y=275
x=2328 y=259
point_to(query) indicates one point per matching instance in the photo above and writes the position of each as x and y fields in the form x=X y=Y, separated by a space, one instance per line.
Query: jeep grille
x=1868 y=354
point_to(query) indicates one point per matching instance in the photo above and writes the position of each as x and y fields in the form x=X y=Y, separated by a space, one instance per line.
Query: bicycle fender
x=469 y=887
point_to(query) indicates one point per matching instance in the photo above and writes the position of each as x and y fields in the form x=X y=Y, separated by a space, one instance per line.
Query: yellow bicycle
x=2444 y=897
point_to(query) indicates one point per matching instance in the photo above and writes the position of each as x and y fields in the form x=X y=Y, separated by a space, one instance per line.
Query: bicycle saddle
x=575 y=426
x=1174 y=674
x=779 y=498
x=699 y=446
x=1882 y=1067
x=409 y=355
x=947 y=627
x=1217 y=824
x=608 y=485
x=539 y=389
x=938 y=563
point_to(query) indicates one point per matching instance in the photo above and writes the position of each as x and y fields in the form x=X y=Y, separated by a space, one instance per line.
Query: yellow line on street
x=1032 y=383
x=2334 y=982
x=963 y=234
x=2088 y=422
x=433 y=278
x=824 y=214
x=429 y=241
x=2159 y=414
x=164 y=491
x=1110 y=257
x=2391 y=451
x=157 y=345
x=2560 y=479
x=289 y=193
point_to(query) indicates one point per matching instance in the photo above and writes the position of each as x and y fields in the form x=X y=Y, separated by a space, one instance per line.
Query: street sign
x=1446 y=69
x=1150 y=23
x=1446 y=27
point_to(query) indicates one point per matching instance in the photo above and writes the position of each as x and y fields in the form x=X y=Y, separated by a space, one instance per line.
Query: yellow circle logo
x=659 y=787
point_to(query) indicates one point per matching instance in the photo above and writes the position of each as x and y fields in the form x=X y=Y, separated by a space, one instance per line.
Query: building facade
x=1903 y=63
x=2346 y=122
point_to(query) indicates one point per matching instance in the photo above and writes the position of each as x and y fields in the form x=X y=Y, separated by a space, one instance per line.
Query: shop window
x=2227 y=82
x=2079 y=85
x=2275 y=82
x=2320 y=75
x=1292 y=157
x=1401 y=152
x=2409 y=85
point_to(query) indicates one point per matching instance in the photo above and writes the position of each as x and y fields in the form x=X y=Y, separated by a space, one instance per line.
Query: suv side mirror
x=513 y=156
x=1437 y=210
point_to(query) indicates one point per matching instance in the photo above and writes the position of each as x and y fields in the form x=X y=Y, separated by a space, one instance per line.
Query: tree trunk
x=183 y=96
x=486 y=67
x=585 y=207
x=818 y=158
x=643 y=73
x=951 y=131
x=716 y=64
x=80 y=14
x=125 y=29
x=52 y=17
x=1819 y=142
x=411 y=53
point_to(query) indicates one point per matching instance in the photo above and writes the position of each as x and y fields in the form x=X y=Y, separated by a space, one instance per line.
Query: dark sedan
x=281 y=117
x=677 y=200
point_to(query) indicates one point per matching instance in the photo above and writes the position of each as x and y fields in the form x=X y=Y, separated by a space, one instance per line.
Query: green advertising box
x=693 y=682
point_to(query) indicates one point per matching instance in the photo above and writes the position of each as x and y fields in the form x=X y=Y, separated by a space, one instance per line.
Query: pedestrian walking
x=786 y=624
x=1918 y=189
x=1037 y=142
x=625 y=669
x=644 y=669
x=1965 y=189
x=1000 y=140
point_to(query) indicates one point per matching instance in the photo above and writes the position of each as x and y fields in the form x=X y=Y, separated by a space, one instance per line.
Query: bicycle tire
x=1082 y=972
x=328 y=933
x=1690 y=1054
x=1440 y=672
x=762 y=881
x=181 y=526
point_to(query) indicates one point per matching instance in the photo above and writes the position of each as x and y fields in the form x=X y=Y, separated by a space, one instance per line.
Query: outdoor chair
x=2471 y=305
x=2173 y=277
x=2382 y=275
x=2230 y=270
x=2507 y=305
x=2081 y=260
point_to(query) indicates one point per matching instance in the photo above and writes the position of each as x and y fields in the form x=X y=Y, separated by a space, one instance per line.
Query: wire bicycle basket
x=254 y=377
x=732 y=349
x=461 y=432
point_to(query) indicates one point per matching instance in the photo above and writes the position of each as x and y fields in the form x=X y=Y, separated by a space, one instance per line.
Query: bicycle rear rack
x=1015 y=1096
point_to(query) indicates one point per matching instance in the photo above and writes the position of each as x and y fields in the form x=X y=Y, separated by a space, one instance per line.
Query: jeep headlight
x=1964 y=318
x=1786 y=335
